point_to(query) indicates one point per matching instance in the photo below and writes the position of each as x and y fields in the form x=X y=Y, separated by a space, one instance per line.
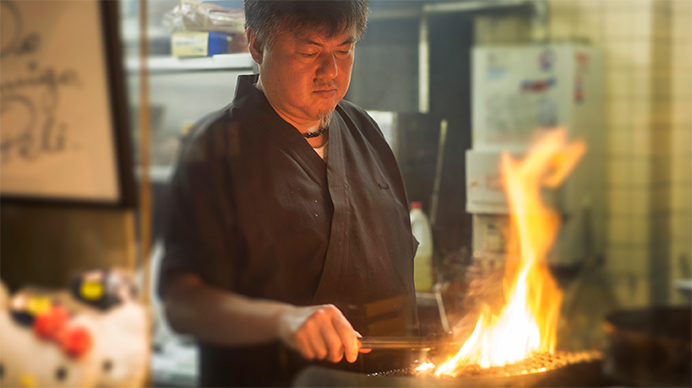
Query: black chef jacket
x=253 y=209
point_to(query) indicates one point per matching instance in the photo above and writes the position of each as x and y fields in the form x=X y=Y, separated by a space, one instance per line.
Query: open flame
x=425 y=367
x=528 y=321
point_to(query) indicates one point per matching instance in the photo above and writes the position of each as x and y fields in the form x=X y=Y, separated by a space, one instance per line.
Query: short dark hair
x=268 y=18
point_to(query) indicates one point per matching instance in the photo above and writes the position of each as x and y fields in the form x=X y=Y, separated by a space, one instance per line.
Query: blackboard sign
x=63 y=135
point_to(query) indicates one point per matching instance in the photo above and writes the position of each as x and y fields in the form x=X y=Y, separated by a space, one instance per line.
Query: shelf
x=170 y=64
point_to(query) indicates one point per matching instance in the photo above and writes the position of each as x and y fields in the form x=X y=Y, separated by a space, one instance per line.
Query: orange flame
x=425 y=367
x=528 y=321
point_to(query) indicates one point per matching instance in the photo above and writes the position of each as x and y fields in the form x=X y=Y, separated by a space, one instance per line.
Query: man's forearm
x=216 y=316
x=224 y=318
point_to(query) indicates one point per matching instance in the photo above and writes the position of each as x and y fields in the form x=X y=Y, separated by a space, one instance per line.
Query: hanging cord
x=438 y=172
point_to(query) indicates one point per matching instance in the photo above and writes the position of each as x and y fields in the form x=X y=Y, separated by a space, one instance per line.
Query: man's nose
x=328 y=67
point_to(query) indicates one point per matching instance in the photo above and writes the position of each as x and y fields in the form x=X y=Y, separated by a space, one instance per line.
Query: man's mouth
x=326 y=93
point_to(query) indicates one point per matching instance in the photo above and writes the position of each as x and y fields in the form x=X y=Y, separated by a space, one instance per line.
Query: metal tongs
x=408 y=343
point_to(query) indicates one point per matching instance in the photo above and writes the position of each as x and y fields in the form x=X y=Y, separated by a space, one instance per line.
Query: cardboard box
x=199 y=44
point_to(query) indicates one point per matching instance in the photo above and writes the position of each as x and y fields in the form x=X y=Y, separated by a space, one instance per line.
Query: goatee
x=325 y=119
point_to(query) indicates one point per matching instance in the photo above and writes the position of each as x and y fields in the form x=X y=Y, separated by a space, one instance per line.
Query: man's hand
x=319 y=332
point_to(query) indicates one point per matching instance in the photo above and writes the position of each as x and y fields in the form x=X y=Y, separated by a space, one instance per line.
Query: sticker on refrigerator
x=578 y=88
x=582 y=67
x=546 y=59
x=582 y=60
x=537 y=86
x=547 y=112
x=496 y=69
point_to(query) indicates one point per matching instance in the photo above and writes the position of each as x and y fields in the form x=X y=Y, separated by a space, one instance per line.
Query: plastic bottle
x=422 y=262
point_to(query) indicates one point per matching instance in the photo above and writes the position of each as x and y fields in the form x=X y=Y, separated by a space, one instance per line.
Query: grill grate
x=534 y=363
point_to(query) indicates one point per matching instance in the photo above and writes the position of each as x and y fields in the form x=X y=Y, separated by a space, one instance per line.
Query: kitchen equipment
x=559 y=369
x=394 y=343
x=516 y=91
x=650 y=347
x=411 y=343
x=580 y=374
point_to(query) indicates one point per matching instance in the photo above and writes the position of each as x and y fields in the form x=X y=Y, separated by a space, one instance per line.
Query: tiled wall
x=648 y=71
x=681 y=139
x=647 y=44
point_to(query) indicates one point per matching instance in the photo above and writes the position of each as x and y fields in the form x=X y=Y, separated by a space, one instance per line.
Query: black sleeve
x=198 y=217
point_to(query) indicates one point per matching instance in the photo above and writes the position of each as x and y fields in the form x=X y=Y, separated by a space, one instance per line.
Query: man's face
x=305 y=75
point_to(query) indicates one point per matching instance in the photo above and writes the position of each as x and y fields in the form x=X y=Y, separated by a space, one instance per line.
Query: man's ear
x=256 y=47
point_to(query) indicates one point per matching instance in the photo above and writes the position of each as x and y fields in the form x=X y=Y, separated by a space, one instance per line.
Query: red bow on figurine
x=53 y=325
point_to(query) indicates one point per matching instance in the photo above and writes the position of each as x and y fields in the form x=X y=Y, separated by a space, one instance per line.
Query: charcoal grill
x=539 y=370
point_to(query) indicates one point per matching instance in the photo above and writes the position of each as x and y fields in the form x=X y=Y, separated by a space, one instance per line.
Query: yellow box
x=199 y=44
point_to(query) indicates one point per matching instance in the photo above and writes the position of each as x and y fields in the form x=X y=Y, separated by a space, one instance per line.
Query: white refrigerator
x=517 y=89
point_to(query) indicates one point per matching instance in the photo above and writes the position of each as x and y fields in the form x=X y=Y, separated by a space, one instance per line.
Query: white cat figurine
x=122 y=344
x=42 y=345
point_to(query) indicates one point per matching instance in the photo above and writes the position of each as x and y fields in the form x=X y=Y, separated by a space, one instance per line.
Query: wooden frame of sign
x=64 y=137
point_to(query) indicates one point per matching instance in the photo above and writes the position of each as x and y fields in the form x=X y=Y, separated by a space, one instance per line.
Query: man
x=288 y=222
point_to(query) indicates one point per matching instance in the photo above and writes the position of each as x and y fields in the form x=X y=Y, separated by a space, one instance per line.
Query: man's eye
x=308 y=55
